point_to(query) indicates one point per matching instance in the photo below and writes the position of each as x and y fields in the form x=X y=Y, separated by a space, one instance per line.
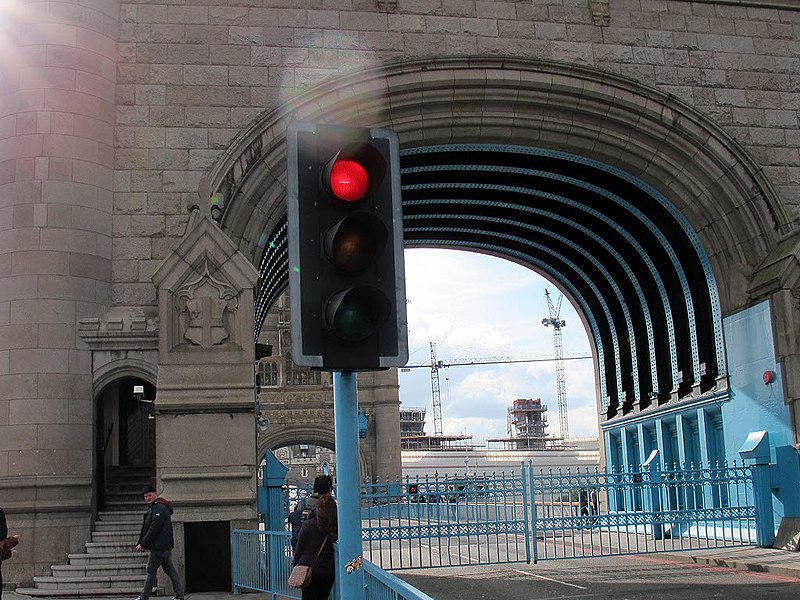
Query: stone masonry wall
x=195 y=73
x=57 y=114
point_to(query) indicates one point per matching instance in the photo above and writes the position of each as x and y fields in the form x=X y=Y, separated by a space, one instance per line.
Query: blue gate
x=536 y=515
x=446 y=521
x=470 y=519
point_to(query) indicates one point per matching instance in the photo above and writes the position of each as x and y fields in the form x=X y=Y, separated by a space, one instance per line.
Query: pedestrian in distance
x=584 y=502
x=6 y=544
x=156 y=537
x=315 y=548
x=323 y=485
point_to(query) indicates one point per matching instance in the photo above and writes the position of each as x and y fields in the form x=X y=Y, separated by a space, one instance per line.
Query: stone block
x=134 y=294
x=18 y=437
x=39 y=263
x=59 y=335
x=33 y=411
x=19 y=240
x=229 y=54
x=71 y=240
x=41 y=360
x=67 y=288
x=246 y=36
x=133 y=248
x=19 y=335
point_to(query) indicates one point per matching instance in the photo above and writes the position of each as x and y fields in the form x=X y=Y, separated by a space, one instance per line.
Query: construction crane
x=557 y=323
x=436 y=395
x=435 y=365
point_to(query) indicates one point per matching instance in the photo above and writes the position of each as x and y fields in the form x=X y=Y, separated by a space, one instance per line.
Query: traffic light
x=346 y=269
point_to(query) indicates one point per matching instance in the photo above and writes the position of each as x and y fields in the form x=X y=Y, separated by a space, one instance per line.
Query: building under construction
x=526 y=424
x=413 y=436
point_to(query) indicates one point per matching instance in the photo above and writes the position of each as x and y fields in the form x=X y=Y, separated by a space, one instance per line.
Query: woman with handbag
x=6 y=544
x=315 y=549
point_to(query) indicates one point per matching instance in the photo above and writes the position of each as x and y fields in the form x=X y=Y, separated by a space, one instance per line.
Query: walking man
x=156 y=537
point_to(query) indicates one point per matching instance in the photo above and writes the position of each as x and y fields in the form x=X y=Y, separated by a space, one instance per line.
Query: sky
x=472 y=305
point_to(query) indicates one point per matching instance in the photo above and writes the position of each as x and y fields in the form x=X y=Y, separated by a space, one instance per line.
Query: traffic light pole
x=348 y=485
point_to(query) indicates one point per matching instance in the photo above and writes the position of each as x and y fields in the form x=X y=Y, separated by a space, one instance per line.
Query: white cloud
x=471 y=306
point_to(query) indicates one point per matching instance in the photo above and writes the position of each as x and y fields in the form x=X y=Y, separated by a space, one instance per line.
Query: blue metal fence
x=577 y=514
x=446 y=521
x=468 y=519
x=262 y=562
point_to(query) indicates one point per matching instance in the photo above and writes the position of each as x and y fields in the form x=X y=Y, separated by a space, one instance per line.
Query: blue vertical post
x=348 y=484
x=652 y=495
x=756 y=449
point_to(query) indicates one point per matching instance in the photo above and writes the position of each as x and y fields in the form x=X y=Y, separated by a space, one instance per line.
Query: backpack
x=304 y=513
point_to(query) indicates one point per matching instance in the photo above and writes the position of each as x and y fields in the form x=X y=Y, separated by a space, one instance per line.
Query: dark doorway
x=208 y=556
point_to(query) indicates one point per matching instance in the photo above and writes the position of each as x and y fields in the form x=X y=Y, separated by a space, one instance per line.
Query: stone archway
x=642 y=131
x=560 y=110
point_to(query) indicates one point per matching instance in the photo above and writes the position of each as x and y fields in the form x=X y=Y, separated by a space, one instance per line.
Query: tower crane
x=436 y=395
x=435 y=365
x=557 y=323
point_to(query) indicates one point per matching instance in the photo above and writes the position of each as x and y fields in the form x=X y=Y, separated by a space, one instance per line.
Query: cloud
x=472 y=306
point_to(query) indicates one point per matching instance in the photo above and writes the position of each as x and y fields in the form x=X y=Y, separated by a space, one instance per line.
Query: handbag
x=5 y=547
x=300 y=576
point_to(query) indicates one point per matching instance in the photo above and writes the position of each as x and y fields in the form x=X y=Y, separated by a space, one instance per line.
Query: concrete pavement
x=762 y=560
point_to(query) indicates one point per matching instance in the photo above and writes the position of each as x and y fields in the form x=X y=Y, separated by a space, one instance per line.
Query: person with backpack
x=315 y=549
x=323 y=485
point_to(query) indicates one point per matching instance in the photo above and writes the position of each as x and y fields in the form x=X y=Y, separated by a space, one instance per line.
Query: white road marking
x=580 y=587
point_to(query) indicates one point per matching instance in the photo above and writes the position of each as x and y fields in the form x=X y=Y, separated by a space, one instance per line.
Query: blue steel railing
x=577 y=514
x=262 y=562
x=446 y=520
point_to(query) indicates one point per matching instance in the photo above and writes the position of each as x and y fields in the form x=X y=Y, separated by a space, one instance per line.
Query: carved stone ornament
x=205 y=305
x=601 y=12
x=796 y=296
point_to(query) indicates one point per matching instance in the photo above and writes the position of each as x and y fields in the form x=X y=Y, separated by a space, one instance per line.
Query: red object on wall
x=769 y=377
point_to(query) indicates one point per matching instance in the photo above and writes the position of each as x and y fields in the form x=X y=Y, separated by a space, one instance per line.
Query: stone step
x=109 y=547
x=83 y=583
x=116 y=536
x=113 y=516
x=125 y=505
x=108 y=558
x=95 y=593
x=96 y=570
x=118 y=525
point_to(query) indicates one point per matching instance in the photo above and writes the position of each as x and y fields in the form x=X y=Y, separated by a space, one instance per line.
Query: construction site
x=526 y=418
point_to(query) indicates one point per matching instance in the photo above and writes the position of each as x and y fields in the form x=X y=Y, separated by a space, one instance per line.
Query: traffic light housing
x=346 y=268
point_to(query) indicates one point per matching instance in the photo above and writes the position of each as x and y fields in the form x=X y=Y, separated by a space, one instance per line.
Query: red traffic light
x=349 y=180
x=413 y=488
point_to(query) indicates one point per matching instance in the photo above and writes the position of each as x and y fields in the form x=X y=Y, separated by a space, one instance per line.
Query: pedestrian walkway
x=760 y=560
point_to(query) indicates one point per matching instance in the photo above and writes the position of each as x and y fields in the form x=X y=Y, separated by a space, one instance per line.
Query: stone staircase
x=110 y=567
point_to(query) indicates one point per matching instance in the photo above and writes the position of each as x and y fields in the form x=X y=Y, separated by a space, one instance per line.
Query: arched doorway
x=125 y=445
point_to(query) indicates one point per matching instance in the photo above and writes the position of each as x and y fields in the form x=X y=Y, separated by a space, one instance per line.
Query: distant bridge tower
x=558 y=350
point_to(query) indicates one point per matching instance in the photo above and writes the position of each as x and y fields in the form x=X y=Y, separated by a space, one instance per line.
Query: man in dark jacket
x=156 y=537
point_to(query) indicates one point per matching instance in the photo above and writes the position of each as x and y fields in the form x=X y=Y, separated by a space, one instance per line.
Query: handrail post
x=652 y=495
x=756 y=449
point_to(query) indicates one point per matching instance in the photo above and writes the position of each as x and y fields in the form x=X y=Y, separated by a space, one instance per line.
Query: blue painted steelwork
x=345 y=416
x=262 y=561
x=601 y=241
x=446 y=521
x=678 y=217
x=581 y=301
x=598 y=265
x=646 y=510
x=380 y=585
x=273 y=272
x=581 y=273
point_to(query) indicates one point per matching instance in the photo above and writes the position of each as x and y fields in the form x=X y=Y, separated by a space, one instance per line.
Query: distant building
x=413 y=436
x=526 y=424
x=578 y=453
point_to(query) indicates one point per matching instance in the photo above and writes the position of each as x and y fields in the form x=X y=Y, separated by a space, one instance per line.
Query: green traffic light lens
x=357 y=313
x=352 y=244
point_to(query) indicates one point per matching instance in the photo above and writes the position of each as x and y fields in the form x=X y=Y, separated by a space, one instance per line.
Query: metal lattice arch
x=642 y=210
